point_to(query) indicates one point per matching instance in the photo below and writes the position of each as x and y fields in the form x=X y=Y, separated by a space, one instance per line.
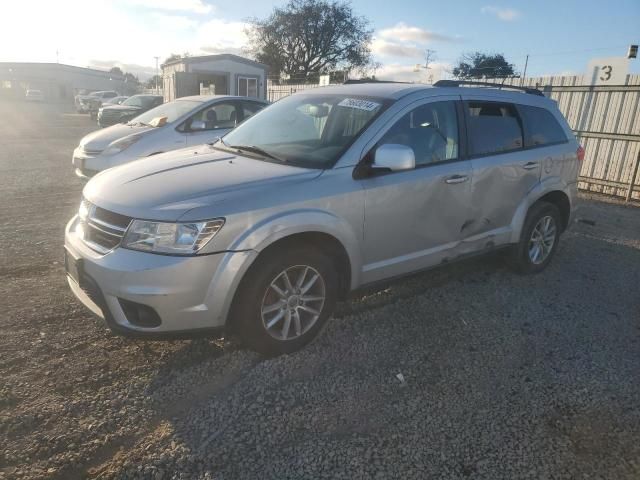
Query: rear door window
x=541 y=127
x=493 y=128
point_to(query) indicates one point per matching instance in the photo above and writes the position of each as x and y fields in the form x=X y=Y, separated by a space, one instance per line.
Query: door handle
x=530 y=165
x=456 y=179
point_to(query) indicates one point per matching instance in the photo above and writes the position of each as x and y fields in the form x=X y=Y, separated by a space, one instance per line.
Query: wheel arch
x=322 y=241
x=553 y=191
x=561 y=200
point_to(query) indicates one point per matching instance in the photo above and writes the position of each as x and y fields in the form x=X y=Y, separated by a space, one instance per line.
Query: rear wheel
x=285 y=300
x=539 y=239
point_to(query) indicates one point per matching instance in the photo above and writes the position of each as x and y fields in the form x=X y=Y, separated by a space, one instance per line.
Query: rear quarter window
x=541 y=127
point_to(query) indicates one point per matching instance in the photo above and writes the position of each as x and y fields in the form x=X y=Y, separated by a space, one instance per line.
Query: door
x=413 y=218
x=503 y=171
x=212 y=122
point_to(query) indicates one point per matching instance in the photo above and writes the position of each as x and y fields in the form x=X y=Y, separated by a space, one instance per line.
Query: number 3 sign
x=607 y=71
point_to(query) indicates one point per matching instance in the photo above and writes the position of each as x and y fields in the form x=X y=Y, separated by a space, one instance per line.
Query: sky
x=560 y=36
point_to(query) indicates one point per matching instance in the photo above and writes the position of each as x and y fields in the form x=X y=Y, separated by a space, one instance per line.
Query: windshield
x=307 y=130
x=138 y=101
x=171 y=110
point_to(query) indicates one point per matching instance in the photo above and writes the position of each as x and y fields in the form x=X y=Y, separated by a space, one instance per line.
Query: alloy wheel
x=293 y=302
x=542 y=240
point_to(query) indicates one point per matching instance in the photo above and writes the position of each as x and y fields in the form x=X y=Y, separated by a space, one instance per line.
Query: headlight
x=172 y=238
x=120 y=145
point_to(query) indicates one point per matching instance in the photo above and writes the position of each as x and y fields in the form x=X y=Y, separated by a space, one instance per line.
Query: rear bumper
x=188 y=294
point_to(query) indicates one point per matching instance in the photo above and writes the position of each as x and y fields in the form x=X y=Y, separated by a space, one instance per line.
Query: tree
x=151 y=83
x=477 y=65
x=175 y=56
x=116 y=70
x=306 y=38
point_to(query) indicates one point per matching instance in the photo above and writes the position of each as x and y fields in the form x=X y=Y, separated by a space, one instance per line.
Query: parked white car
x=185 y=122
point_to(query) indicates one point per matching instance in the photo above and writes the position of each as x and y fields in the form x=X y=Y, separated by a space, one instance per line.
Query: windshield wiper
x=255 y=149
x=218 y=139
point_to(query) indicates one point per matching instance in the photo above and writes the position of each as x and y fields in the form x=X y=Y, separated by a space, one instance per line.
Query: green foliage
x=478 y=65
x=151 y=83
x=306 y=38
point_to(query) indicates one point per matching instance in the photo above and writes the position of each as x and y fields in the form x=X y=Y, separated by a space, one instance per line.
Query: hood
x=121 y=108
x=98 y=140
x=166 y=186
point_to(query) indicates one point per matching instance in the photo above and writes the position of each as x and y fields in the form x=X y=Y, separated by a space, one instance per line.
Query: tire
x=258 y=293
x=545 y=219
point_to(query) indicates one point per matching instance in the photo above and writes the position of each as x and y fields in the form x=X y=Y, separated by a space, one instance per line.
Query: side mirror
x=198 y=125
x=394 y=157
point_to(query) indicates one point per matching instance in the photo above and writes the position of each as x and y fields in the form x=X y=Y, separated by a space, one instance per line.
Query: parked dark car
x=85 y=102
x=130 y=108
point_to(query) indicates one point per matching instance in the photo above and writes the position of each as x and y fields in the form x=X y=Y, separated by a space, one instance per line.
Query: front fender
x=547 y=185
x=277 y=227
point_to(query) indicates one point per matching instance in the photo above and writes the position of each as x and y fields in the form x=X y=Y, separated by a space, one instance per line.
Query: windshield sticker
x=158 y=122
x=359 y=104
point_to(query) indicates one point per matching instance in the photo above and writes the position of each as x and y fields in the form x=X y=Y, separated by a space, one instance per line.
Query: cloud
x=407 y=73
x=505 y=14
x=392 y=49
x=406 y=41
x=194 y=6
x=406 y=33
x=172 y=22
x=220 y=36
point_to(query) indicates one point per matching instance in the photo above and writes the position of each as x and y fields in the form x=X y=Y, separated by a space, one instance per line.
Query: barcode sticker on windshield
x=360 y=104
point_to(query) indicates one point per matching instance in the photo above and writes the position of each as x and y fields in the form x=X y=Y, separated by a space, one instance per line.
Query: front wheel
x=538 y=240
x=285 y=300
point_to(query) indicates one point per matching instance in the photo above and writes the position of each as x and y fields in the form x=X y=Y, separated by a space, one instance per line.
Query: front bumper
x=189 y=294
x=86 y=165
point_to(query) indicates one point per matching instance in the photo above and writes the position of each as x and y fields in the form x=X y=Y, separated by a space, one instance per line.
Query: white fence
x=152 y=91
x=276 y=92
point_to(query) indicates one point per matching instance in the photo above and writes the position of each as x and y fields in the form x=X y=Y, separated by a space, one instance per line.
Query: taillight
x=580 y=153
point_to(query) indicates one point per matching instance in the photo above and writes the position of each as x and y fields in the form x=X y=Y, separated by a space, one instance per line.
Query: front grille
x=104 y=230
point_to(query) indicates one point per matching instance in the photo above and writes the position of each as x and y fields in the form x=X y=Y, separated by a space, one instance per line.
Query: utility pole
x=157 y=75
x=429 y=56
x=524 y=73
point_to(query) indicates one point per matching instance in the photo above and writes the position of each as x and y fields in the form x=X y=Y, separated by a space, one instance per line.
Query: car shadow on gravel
x=398 y=289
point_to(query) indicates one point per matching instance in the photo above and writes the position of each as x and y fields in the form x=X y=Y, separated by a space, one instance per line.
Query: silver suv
x=319 y=194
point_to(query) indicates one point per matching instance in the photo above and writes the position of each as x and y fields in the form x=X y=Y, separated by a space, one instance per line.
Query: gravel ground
x=505 y=376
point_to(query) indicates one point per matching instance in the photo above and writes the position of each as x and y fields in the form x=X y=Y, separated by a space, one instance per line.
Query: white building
x=58 y=82
x=223 y=74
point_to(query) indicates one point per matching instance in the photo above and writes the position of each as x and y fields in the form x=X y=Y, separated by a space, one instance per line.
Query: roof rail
x=457 y=83
x=356 y=81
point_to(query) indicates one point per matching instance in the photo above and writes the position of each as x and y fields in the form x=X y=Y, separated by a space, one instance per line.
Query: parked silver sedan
x=182 y=123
